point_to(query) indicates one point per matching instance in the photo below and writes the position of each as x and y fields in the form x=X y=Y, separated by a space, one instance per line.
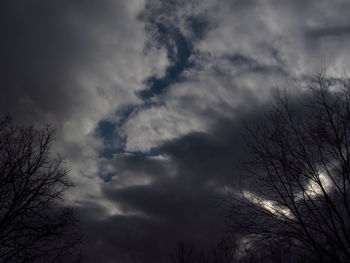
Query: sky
x=148 y=98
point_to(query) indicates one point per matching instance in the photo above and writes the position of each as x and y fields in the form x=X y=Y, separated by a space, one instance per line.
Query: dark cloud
x=335 y=31
x=182 y=199
x=247 y=64
x=149 y=97
x=42 y=47
x=58 y=58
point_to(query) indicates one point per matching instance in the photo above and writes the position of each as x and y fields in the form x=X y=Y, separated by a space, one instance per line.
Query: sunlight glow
x=313 y=188
x=269 y=205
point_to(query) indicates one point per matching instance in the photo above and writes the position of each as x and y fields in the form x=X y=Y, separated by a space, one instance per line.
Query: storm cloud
x=149 y=97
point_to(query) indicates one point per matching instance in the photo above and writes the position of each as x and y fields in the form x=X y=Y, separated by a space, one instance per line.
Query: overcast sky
x=148 y=98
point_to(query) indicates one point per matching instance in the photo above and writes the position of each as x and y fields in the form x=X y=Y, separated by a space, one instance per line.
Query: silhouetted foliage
x=224 y=251
x=299 y=204
x=35 y=225
x=184 y=254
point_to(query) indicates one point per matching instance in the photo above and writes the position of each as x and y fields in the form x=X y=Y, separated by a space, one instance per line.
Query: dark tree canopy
x=35 y=225
x=300 y=202
x=223 y=251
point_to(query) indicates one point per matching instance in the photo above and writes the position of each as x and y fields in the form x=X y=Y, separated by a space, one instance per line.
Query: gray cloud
x=147 y=98
x=179 y=201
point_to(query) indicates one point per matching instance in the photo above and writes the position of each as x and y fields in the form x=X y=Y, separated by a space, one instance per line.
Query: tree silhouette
x=224 y=251
x=301 y=166
x=184 y=254
x=35 y=226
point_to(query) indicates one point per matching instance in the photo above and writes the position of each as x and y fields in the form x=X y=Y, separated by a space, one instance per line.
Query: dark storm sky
x=148 y=98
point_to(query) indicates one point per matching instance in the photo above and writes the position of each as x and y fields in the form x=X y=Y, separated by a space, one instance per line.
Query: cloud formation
x=148 y=97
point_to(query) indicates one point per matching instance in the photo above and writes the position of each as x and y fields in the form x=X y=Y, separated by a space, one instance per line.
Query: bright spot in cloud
x=270 y=206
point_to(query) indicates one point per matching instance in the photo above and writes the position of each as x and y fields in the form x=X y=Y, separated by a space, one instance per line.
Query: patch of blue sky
x=112 y=141
x=179 y=50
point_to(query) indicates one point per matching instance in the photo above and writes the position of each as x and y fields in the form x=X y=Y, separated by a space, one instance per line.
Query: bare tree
x=35 y=226
x=301 y=166
x=184 y=253
x=223 y=251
